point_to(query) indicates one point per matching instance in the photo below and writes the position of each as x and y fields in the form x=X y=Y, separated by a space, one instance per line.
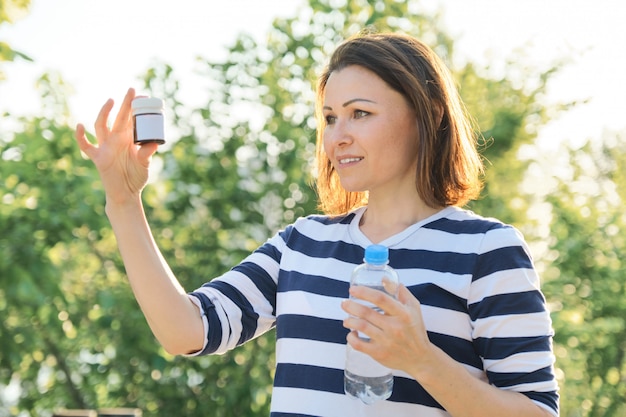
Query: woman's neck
x=385 y=218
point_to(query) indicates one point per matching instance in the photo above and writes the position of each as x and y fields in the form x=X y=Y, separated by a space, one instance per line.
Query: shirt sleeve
x=512 y=328
x=241 y=304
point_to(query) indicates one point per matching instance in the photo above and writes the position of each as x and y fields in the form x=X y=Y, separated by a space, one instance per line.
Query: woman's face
x=370 y=134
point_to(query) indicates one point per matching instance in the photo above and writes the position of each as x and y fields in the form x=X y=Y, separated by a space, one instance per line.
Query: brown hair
x=449 y=168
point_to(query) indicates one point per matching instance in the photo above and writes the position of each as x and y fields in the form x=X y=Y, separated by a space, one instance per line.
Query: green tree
x=586 y=279
x=9 y=11
x=40 y=214
x=509 y=110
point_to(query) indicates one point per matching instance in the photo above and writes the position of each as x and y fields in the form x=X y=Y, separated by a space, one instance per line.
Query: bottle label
x=149 y=127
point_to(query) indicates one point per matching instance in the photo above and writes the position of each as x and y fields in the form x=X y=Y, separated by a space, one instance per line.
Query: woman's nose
x=340 y=133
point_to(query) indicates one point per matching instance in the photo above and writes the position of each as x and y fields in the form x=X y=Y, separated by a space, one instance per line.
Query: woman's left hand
x=396 y=335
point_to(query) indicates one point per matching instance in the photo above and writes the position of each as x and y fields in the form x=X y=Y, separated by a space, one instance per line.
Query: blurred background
x=543 y=80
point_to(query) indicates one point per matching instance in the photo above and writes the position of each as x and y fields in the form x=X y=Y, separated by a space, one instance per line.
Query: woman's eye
x=360 y=113
x=330 y=119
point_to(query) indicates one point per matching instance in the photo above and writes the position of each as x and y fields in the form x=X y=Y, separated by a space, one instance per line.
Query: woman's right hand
x=123 y=166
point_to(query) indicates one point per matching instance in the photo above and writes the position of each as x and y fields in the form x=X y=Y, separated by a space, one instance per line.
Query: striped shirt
x=473 y=276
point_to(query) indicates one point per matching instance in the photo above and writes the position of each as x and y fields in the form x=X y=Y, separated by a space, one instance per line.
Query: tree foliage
x=237 y=169
x=586 y=279
x=9 y=10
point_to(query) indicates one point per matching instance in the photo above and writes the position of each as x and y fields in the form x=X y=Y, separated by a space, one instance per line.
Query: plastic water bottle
x=365 y=378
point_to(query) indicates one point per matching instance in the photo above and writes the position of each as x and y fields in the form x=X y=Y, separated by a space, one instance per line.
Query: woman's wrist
x=116 y=206
x=429 y=367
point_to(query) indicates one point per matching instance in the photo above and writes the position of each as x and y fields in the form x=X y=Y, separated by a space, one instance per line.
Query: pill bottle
x=148 y=120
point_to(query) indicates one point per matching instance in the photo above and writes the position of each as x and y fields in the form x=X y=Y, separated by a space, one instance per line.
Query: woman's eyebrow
x=347 y=103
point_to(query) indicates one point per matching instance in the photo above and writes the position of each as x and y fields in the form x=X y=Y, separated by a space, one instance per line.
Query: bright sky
x=101 y=47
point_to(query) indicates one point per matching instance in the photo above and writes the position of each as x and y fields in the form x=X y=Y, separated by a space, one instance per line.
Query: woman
x=469 y=334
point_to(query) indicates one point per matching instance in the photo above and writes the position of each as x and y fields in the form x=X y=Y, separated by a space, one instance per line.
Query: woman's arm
x=400 y=334
x=462 y=395
x=123 y=167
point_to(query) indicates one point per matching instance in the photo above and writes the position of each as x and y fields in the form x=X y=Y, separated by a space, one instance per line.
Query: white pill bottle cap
x=147 y=105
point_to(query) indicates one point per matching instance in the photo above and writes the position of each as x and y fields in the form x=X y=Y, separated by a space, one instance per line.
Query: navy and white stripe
x=474 y=278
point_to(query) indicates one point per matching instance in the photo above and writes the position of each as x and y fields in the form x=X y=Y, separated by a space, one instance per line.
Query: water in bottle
x=365 y=378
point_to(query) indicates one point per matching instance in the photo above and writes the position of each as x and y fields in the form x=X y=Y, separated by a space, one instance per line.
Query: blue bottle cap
x=376 y=254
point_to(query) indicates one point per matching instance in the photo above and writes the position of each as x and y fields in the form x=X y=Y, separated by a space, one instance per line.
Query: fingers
x=385 y=301
x=146 y=151
x=363 y=318
x=366 y=319
x=391 y=286
x=379 y=298
x=356 y=342
x=406 y=297
x=118 y=135
x=82 y=141
x=357 y=309
x=124 y=115
x=362 y=332
x=102 y=130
